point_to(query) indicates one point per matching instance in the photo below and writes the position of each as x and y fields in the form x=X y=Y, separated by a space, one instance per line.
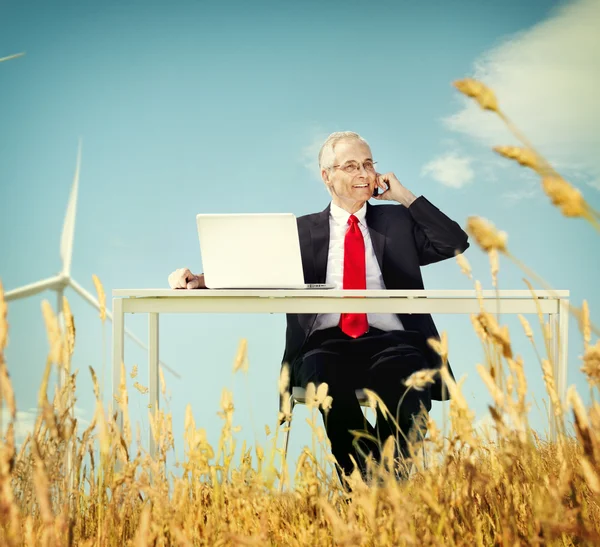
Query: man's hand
x=393 y=190
x=184 y=279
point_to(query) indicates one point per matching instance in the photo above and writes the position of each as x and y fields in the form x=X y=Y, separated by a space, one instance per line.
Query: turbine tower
x=63 y=280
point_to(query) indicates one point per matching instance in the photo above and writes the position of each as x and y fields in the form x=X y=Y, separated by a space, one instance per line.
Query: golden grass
x=64 y=486
x=561 y=193
x=101 y=296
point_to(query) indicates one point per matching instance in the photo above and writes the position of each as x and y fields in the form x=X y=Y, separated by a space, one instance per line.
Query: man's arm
x=437 y=237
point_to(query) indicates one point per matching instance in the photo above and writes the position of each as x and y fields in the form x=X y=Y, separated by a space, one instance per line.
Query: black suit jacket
x=404 y=239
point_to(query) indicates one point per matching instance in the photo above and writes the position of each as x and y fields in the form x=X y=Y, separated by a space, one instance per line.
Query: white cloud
x=309 y=155
x=450 y=169
x=595 y=184
x=25 y=421
x=529 y=187
x=546 y=80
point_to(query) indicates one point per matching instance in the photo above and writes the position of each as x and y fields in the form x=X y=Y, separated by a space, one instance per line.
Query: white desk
x=157 y=301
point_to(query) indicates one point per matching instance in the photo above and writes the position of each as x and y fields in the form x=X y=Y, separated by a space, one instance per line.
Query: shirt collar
x=341 y=216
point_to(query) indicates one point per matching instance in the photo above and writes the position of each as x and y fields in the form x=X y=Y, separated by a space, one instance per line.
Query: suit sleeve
x=437 y=237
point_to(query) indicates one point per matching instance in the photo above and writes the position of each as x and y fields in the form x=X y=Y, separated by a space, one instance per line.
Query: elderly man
x=355 y=245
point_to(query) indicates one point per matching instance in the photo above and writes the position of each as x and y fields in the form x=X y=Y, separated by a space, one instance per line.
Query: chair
x=298 y=397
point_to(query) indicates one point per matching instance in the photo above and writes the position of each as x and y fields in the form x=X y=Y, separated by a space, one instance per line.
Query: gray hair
x=327 y=155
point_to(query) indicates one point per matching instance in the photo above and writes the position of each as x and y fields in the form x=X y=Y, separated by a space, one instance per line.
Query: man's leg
x=390 y=367
x=329 y=364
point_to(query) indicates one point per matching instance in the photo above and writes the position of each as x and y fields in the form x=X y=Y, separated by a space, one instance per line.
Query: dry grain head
x=566 y=197
x=101 y=296
x=486 y=235
x=524 y=156
x=481 y=93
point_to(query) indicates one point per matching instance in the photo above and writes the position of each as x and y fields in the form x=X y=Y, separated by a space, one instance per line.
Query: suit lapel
x=319 y=234
x=376 y=225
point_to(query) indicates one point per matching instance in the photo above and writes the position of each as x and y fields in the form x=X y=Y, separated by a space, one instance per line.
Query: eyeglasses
x=353 y=167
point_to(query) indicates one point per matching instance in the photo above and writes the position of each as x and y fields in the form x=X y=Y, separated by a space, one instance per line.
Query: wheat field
x=68 y=486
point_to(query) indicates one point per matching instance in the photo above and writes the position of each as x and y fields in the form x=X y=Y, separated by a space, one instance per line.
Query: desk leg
x=558 y=348
x=552 y=320
x=118 y=356
x=153 y=374
x=563 y=329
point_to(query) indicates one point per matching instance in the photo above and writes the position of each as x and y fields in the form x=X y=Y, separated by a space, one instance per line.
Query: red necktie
x=355 y=277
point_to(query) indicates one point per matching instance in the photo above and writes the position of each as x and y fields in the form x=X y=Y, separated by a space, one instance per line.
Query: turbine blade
x=85 y=295
x=68 y=233
x=14 y=56
x=94 y=302
x=34 y=288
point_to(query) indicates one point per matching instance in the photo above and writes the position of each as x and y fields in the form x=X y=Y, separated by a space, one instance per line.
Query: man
x=355 y=245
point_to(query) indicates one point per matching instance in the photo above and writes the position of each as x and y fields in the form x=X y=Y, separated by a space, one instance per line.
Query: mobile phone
x=375 y=191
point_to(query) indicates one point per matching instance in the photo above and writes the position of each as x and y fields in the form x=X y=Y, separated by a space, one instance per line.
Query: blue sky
x=221 y=107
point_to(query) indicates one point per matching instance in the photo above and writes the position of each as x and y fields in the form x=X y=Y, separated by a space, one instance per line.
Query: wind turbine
x=63 y=279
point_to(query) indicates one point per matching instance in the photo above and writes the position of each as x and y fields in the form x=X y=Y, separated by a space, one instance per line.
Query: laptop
x=252 y=251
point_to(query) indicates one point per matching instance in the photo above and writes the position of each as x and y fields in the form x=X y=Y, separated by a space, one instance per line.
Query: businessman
x=355 y=245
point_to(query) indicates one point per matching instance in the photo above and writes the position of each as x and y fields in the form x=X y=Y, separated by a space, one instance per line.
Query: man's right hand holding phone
x=185 y=279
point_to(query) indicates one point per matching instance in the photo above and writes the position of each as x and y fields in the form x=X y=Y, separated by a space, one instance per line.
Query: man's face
x=348 y=188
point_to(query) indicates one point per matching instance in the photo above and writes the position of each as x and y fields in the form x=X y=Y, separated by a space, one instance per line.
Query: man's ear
x=327 y=181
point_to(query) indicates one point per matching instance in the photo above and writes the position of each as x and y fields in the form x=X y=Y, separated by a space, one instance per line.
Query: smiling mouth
x=360 y=186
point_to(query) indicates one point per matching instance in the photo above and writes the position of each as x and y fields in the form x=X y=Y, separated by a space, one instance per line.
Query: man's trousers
x=379 y=361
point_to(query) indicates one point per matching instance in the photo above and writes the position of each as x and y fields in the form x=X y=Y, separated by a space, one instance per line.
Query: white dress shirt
x=338 y=225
